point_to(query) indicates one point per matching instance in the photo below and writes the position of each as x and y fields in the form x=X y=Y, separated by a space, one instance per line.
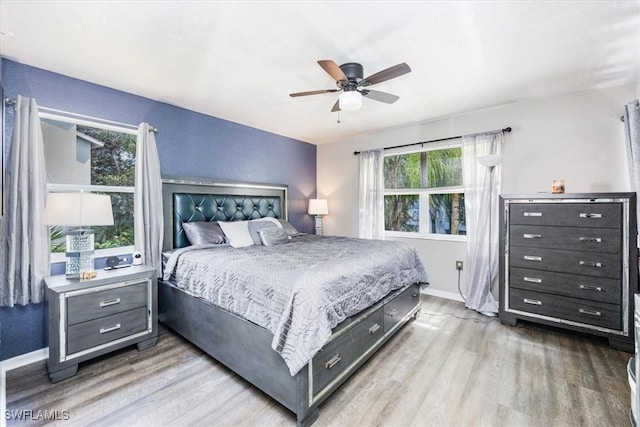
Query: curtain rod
x=505 y=130
x=11 y=101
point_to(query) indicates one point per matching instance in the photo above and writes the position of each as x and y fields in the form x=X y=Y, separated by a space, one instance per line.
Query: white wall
x=578 y=138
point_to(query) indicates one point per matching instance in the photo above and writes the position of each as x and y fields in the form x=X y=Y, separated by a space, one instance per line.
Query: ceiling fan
x=353 y=87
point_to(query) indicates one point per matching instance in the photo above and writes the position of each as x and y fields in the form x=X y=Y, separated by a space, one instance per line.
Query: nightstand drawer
x=602 y=215
x=94 y=305
x=106 y=329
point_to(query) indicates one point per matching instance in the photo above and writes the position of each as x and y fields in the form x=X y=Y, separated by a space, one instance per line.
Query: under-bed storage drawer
x=340 y=354
x=396 y=309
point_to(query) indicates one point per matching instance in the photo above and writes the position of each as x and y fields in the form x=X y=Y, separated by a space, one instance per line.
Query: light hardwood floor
x=450 y=367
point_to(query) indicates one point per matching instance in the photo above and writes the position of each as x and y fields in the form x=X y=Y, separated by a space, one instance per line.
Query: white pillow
x=237 y=233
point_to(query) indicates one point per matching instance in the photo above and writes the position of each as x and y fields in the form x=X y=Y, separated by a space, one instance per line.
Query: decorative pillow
x=268 y=219
x=288 y=228
x=237 y=233
x=203 y=232
x=254 y=229
x=271 y=236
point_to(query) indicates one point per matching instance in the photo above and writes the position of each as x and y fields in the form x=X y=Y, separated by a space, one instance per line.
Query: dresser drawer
x=94 y=305
x=106 y=329
x=396 y=309
x=571 y=285
x=577 y=310
x=599 y=215
x=607 y=240
x=337 y=356
x=574 y=262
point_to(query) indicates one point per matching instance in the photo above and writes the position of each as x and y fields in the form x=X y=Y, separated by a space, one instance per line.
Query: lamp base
x=318 y=225
x=79 y=255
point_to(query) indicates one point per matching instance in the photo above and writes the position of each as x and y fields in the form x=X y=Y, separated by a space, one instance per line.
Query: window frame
x=57 y=257
x=423 y=194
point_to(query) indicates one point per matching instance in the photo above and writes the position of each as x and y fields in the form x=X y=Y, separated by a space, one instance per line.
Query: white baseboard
x=443 y=294
x=11 y=364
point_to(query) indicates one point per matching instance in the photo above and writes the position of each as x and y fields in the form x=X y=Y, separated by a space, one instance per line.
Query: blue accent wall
x=190 y=144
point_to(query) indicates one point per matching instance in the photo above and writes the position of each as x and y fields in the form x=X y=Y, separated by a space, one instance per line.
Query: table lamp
x=78 y=211
x=318 y=207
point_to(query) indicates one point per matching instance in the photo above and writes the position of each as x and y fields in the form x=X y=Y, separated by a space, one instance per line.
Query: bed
x=314 y=308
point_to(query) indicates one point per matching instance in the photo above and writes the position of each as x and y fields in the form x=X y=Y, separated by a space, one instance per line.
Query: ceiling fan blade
x=313 y=92
x=376 y=95
x=332 y=69
x=336 y=106
x=384 y=75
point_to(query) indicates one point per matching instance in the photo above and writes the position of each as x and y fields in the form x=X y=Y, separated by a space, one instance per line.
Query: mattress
x=300 y=290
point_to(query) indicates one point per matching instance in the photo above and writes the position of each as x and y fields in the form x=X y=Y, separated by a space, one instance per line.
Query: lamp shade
x=318 y=207
x=78 y=209
x=490 y=160
x=351 y=100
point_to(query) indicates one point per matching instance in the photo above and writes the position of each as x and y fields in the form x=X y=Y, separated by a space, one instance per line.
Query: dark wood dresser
x=570 y=260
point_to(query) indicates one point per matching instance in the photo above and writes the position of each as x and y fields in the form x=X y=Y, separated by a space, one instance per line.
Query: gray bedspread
x=299 y=290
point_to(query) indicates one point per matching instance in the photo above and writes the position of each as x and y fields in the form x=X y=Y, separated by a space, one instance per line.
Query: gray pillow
x=271 y=236
x=288 y=228
x=256 y=226
x=203 y=232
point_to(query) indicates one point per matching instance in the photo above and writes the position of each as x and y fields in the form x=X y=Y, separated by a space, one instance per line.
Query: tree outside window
x=423 y=192
x=90 y=158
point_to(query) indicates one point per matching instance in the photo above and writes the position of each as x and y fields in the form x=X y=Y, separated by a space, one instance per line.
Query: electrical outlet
x=458 y=265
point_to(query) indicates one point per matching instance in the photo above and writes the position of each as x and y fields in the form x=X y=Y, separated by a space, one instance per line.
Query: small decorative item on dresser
x=557 y=187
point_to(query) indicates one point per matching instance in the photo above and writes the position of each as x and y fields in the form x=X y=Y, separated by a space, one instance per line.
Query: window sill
x=100 y=253
x=441 y=237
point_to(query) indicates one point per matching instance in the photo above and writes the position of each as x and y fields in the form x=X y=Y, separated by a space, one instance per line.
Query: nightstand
x=89 y=318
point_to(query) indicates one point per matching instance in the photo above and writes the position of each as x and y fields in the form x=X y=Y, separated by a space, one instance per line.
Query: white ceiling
x=239 y=60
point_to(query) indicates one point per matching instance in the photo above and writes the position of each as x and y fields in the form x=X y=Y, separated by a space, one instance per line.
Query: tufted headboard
x=191 y=200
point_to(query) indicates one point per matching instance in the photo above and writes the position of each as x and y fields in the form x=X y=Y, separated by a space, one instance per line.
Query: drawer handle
x=533 y=214
x=532 y=236
x=110 y=302
x=591 y=264
x=590 y=312
x=591 y=239
x=392 y=313
x=532 y=279
x=374 y=328
x=590 y=215
x=333 y=361
x=532 y=301
x=532 y=258
x=110 y=328
x=591 y=288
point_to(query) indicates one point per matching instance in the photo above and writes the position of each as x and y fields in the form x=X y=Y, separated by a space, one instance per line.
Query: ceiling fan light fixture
x=350 y=100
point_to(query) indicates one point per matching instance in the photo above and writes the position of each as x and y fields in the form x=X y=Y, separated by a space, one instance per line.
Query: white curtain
x=481 y=189
x=371 y=195
x=24 y=251
x=632 y=133
x=147 y=209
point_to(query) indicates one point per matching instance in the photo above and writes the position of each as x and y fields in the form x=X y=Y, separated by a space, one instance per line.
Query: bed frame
x=234 y=341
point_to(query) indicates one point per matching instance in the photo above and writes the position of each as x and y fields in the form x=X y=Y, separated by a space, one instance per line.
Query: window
x=96 y=158
x=423 y=195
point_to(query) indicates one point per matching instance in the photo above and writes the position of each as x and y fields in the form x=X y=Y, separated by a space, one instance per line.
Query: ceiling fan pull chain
x=338 y=117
